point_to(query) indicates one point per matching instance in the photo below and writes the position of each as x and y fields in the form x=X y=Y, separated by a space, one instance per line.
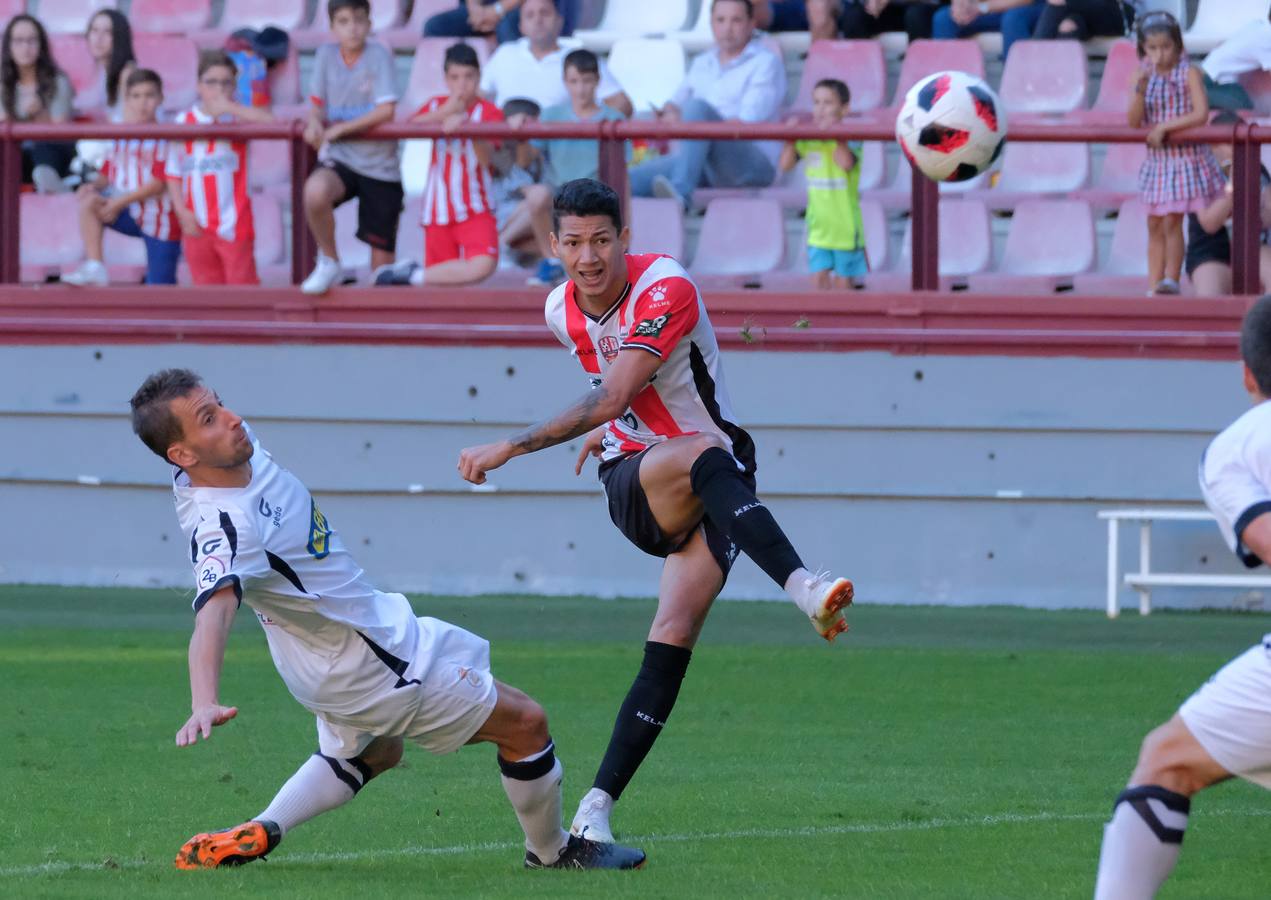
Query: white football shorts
x=1230 y=715
x=454 y=698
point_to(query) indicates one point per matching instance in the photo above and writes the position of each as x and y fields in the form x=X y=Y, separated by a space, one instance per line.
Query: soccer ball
x=951 y=126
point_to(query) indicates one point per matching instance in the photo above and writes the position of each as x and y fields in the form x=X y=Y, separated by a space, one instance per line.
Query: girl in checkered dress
x=1168 y=94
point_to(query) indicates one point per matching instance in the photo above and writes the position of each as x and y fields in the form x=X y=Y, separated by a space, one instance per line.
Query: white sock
x=797 y=591
x=322 y=783
x=533 y=788
x=1141 y=843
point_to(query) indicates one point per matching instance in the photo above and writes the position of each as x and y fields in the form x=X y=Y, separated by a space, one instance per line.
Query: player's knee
x=382 y=755
x=704 y=441
x=531 y=725
x=1163 y=761
x=483 y=267
x=317 y=192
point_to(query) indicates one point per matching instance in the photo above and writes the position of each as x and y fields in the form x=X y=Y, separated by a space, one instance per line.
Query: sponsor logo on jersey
x=609 y=347
x=657 y=295
x=209 y=546
x=319 y=533
x=648 y=718
x=651 y=327
x=271 y=512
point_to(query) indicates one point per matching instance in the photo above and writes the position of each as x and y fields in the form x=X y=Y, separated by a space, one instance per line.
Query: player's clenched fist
x=202 y=720
x=474 y=462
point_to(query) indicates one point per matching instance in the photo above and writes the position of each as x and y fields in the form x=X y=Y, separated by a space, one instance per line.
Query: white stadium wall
x=950 y=480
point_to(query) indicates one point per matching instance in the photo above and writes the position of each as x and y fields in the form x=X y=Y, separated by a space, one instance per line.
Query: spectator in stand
x=1084 y=19
x=1176 y=179
x=110 y=44
x=1208 y=259
x=836 y=233
x=531 y=66
x=1015 y=19
x=738 y=80
x=522 y=198
x=130 y=195
x=502 y=18
x=207 y=181
x=34 y=89
x=353 y=90
x=1248 y=50
x=461 y=235
x=867 y=18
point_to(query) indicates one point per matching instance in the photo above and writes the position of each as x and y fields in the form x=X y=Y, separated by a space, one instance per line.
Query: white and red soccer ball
x=951 y=126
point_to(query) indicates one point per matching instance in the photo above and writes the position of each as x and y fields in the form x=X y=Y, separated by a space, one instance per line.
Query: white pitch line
x=57 y=868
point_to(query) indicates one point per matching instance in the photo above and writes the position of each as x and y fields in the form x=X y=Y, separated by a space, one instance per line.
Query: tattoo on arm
x=577 y=420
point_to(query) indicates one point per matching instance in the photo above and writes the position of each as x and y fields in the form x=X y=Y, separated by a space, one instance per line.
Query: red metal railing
x=1245 y=137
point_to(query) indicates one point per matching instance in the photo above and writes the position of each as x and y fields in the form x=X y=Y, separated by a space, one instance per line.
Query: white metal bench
x=1145 y=579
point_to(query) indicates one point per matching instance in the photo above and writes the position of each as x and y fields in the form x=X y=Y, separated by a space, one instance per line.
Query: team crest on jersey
x=609 y=347
x=651 y=327
x=210 y=572
x=319 y=533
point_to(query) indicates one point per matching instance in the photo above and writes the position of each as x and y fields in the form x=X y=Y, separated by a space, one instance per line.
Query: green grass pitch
x=932 y=752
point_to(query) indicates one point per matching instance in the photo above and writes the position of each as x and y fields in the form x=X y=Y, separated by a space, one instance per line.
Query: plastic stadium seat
x=1113 y=100
x=1036 y=168
x=897 y=194
x=740 y=236
x=1044 y=77
x=1217 y=20
x=1049 y=242
x=858 y=63
x=267 y=217
x=877 y=234
x=966 y=248
x=698 y=36
x=1125 y=269
x=284 y=81
x=70 y=16
x=71 y=53
x=406 y=35
x=50 y=238
x=170 y=16
x=650 y=69
x=426 y=77
x=657 y=226
x=10 y=8
x=410 y=234
x=269 y=166
x=175 y=58
x=1118 y=178
x=289 y=15
x=923 y=58
x=629 y=18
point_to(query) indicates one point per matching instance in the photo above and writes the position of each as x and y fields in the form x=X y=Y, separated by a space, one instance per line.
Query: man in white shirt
x=738 y=80
x=534 y=66
x=1247 y=50
x=358 y=658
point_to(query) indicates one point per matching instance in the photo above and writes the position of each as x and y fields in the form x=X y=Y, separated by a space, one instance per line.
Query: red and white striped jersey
x=458 y=185
x=213 y=176
x=661 y=312
x=130 y=166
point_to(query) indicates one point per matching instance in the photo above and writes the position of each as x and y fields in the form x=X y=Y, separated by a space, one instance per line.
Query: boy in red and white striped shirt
x=207 y=180
x=129 y=196
x=461 y=237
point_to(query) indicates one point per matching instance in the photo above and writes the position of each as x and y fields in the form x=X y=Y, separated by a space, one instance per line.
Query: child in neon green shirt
x=836 y=234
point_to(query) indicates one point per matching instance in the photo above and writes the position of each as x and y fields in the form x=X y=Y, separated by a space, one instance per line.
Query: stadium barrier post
x=1246 y=213
x=304 y=252
x=925 y=251
x=10 y=188
x=613 y=165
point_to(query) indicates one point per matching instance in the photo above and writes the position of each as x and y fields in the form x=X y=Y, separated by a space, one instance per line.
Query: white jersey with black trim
x=334 y=638
x=661 y=311
x=1235 y=477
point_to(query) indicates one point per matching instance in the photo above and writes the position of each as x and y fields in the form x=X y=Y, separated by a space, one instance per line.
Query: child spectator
x=353 y=90
x=522 y=199
x=836 y=234
x=34 y=89
x=1176 y=179
x=207 y=181
x=461 y=236
x=130 y=195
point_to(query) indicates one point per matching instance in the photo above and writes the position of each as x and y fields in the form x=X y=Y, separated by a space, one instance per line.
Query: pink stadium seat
x=410 y=233
x=408 y=34
x=1030 y=168
x=426 y=77
x=175 y=58
x=1113 y=99
x=70 y=16
x=858 y=63
x=269 y=166
x=1044 y=77
x=50 y=238
x=635 y=19
x=170 y=16
x=877 y=234
x=740 y=236
x=10 y=8
x=289 y=15
x=1118 y=178
x=1049 y=242
x=1125 y=269
x=923 y=58
x=966 y=248
x=71 y=53
x=270 y=250
x=657 y=226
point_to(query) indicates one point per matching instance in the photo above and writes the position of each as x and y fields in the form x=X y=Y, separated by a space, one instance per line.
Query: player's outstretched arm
x=606 y=401
x=1257 y=537
x=207 y=651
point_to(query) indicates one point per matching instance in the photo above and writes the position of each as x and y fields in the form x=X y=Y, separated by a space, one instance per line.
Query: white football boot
x=592 y=819
x=823 y=597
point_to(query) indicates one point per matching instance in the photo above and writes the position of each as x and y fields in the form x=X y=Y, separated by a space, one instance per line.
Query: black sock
x=643 y=713
x=733 y=507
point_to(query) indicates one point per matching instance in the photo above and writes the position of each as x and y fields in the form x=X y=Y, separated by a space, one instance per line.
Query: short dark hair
x=582 y=61
x=750 y=7
x=521 y=106
x=460 y=54
x=143 y=76
x=586 y=197
x=152 y=418
x=1255 y=343
x=838 y=87
x=334 y=6
x=210 y=59
x=1157 y=22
